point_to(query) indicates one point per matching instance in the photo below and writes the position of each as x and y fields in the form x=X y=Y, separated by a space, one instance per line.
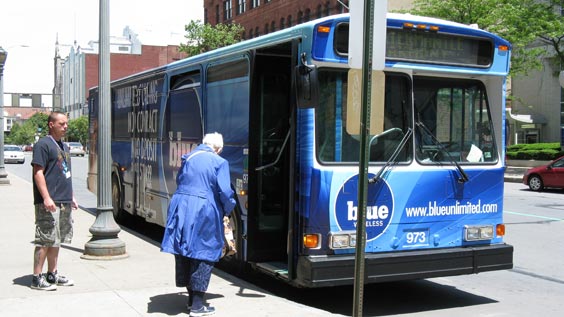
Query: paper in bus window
x=475 y=154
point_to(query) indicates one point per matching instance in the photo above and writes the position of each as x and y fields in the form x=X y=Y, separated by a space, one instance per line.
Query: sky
x=29 y=30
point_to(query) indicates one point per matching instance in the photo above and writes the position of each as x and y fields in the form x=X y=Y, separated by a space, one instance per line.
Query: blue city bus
x=435 y=192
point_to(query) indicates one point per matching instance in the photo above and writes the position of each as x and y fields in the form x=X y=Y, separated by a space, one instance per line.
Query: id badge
x=68 y=174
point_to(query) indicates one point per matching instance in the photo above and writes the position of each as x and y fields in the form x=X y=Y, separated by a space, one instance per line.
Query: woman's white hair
x=215 y=140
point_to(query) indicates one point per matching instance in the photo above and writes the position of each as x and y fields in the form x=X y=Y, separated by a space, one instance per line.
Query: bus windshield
x=452 y=116
x=455 y=119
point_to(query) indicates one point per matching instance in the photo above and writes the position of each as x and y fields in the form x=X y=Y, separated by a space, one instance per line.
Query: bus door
x=270 y=173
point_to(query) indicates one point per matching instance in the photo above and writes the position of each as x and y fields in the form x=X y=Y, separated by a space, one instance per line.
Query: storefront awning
x=536 y=118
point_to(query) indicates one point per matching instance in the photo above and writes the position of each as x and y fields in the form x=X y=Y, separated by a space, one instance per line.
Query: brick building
x=78 y=72
x=260 y=17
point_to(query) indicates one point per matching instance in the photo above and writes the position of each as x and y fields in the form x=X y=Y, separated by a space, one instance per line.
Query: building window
x=255 y=3
x=217 y=14
x=9 y=124
x=227 y=13
x=272 y=26
x=251 y=33
x=242 y=6
x=319 y=12
x=327 y=8
x=307 y=15
x=282 y=26
x=266 y=28
x=206 y=16
x=300 y=17
x=257 y=33
x=290 y=20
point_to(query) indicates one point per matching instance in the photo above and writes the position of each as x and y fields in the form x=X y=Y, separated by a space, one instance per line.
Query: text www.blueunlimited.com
x=435 y=210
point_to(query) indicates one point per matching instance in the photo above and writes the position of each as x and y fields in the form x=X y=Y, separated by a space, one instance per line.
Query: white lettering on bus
x=372 y=212
x=144 y=94
x=143 y=121
x=144 y=149
x=177 y=149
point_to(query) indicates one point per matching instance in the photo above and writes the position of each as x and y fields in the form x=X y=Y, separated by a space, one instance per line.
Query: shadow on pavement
x=169 y=304
x=23 y=280
x=384 y=299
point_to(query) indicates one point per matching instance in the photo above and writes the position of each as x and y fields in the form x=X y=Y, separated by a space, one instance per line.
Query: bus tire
x=118 y=212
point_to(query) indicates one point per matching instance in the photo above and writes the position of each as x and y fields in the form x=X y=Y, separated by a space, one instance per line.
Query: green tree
x=554 y=31
x=39 y=123
x=21 y=134
x=25 y=133
x=78 y=130
x=204 y=37
x=521 y=22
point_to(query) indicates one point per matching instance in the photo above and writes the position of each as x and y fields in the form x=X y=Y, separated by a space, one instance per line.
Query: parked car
x=76 y=148
x=13 y=154
x=550 y=175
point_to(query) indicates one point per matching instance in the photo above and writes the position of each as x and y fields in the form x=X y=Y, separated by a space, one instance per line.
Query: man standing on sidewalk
x=53 y=199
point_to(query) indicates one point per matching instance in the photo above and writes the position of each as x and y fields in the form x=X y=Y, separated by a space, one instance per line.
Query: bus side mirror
x=307 y=86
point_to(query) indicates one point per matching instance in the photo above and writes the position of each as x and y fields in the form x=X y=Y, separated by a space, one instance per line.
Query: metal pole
x=3 y=175
x=105 y=244
x=363 y=162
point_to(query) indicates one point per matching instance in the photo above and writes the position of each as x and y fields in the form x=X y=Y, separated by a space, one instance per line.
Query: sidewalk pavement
x=139 y=285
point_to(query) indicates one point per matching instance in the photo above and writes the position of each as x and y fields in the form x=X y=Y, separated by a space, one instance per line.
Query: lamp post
x=105 y=243
x=3 y=175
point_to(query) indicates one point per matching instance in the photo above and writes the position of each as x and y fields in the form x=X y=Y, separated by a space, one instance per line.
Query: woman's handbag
x=228 y=239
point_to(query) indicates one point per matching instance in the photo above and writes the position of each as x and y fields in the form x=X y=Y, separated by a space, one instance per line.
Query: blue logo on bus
x=379 y=207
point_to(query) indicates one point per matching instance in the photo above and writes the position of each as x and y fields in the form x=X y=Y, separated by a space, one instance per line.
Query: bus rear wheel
x=119 y=214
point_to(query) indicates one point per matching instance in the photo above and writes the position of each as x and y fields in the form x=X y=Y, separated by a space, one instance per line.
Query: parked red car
x=550 y=175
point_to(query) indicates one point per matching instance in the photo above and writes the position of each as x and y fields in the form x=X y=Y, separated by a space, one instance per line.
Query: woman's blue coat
x=203 y=196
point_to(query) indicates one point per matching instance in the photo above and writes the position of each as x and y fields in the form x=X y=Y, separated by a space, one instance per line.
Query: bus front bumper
x=321 y=271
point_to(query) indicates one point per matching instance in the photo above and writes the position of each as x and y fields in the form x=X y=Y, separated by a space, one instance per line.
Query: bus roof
x=284 y=35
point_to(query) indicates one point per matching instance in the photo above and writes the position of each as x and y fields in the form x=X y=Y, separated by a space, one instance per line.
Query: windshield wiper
x=394 y=155
x=463 y=176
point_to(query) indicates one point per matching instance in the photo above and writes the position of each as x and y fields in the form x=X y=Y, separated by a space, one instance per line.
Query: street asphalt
x=142 y=284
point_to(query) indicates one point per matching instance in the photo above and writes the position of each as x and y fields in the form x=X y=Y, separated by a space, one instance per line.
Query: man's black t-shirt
x=54 y=157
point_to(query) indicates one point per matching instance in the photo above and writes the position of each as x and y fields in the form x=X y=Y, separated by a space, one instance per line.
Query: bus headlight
x=476 y=233
x=342 y=240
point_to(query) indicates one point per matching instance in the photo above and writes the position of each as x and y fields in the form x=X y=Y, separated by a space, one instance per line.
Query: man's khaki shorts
x=53 y=228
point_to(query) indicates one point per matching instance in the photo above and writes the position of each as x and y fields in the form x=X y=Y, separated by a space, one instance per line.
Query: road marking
x=534 y=216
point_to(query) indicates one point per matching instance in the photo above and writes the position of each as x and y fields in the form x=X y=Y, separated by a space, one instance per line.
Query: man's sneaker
x=39 y=282
x=204 y=311
x=56 y=278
